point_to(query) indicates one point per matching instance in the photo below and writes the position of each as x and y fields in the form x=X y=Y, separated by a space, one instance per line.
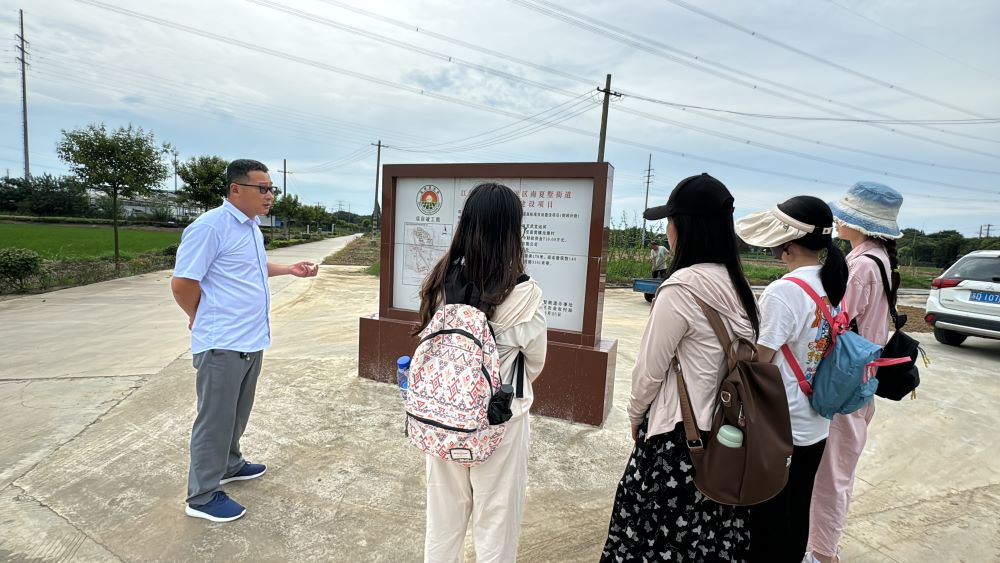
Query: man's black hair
x=239 y=169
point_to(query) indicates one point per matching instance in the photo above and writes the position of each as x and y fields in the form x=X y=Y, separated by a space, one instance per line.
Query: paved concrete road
x=93 y=465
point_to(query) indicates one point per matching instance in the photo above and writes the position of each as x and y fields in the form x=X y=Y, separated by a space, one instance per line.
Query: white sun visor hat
x=773 y=227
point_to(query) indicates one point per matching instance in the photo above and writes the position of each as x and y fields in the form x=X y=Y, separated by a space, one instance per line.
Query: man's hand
x=303 y=269
x=635 y=433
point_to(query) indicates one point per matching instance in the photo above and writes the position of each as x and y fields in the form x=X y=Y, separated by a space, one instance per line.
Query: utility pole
x=378 y=170
x=649 y=177
x=23 y=59
x=980 y=231
x=284 y=187
x=604 y=116
x=988 y=230
x=175 y=171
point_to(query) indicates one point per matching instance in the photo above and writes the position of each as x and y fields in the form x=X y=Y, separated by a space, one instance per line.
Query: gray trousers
x=226 y=384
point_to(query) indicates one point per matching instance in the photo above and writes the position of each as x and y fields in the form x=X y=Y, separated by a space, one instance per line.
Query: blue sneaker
x=248 y=471
x=220 y=509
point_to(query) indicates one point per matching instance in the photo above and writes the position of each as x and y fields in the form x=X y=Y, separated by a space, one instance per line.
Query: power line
x=838 y=146
x=310 y=121
x=543 y=120
x=331 y=68
x=482 y=68
x=408 y=46
x=729 y=73
x=821 y=60
x=351 y=158
x=459 y=42
x=815 y=158
x=453 y=146
x=973 y=121
x=297 y=59
x=442 y=37
x=910 y=39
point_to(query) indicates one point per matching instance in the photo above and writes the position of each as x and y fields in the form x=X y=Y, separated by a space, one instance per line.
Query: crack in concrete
x=940 y=497
x=27 y=495
x=129 y=392
x=69 y=377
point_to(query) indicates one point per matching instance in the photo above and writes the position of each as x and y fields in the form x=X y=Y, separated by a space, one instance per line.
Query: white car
x=965 y=300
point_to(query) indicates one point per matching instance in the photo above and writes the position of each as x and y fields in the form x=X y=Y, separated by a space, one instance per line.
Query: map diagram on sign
x=424 y=244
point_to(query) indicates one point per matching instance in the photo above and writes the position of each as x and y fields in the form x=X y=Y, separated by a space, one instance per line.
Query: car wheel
x=649 y=297
x=948 y=337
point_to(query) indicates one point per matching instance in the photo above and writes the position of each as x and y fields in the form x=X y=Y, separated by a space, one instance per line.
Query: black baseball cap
x=700 y=195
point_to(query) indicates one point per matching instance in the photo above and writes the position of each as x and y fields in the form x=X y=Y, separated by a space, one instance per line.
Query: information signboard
x=556 y=229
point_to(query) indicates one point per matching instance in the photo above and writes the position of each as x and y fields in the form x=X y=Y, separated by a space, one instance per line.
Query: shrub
x=18 y=265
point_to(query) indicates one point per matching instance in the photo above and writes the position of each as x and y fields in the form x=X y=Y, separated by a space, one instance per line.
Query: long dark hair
x=486 y=251
x=890 y=248
x=712 y=240
x=816 y=212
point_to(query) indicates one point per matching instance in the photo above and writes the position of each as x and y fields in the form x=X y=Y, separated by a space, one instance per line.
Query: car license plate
x=985 y=297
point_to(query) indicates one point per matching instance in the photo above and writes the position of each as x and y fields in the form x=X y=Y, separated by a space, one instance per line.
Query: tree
x=316 y=215
x=204 y=180
x=288 y=208
x=126 y=162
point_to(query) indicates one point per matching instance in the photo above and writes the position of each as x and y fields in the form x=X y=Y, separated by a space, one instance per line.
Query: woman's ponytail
x=834 y=273
x=890 y=248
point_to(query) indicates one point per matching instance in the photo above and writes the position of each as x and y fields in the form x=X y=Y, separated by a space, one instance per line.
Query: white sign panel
x=556 y=238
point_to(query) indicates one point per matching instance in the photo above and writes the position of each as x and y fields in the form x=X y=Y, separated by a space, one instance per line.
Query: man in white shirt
x=221 y=281
x=658 y=259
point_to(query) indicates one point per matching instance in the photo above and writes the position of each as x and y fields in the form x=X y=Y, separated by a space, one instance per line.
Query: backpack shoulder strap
x=823 y=307
x=691 y=433
x=519 y=377
x=804 y=384
x=889 y=294
x=719 y=327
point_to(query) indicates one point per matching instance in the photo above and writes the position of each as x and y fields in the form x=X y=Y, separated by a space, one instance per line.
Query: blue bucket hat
x=869 y=208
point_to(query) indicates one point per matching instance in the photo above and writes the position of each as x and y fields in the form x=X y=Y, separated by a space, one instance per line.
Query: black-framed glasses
x=263 y=189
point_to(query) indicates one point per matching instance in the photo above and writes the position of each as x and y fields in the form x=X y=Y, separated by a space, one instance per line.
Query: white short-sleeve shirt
x=789 y=316
x=224 y=251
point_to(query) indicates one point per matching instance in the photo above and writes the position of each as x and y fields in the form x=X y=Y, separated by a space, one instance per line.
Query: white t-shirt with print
x=789 y=316
x=659 y=256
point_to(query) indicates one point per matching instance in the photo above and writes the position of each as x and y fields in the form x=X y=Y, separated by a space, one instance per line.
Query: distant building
x=148 y=206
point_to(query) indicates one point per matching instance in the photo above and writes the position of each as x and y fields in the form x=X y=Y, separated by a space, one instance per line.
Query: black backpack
x=897 y=381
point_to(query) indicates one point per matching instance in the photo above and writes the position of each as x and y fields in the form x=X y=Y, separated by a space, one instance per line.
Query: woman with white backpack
x=795 y=334
x=483 y=268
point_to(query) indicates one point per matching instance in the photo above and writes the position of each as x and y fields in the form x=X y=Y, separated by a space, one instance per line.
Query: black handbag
x=900 y=380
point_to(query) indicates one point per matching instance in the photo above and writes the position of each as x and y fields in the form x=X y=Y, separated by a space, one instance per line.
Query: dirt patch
x=914 y=319
x=362 y=251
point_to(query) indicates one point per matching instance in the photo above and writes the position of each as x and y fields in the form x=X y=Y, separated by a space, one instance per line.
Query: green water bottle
x=730 y=436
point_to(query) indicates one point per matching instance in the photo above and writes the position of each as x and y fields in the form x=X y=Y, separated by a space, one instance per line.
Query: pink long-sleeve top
x=865 y=299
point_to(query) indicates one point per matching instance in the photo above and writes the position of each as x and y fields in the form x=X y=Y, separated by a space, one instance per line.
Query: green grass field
x=64 y=242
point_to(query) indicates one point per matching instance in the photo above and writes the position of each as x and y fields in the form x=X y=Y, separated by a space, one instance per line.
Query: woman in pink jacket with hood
x=866 y=217
x=658 y=513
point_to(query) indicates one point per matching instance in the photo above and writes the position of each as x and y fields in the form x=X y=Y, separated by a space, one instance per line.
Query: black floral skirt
x=659 y=515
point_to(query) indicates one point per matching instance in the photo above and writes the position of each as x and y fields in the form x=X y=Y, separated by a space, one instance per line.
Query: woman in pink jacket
x=658 y=513
x=865 y=216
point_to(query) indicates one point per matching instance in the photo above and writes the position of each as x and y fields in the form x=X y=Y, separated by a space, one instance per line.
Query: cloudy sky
x=318 y=81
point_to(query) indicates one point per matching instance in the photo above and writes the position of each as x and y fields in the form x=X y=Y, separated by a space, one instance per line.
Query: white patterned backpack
x=454 y=376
